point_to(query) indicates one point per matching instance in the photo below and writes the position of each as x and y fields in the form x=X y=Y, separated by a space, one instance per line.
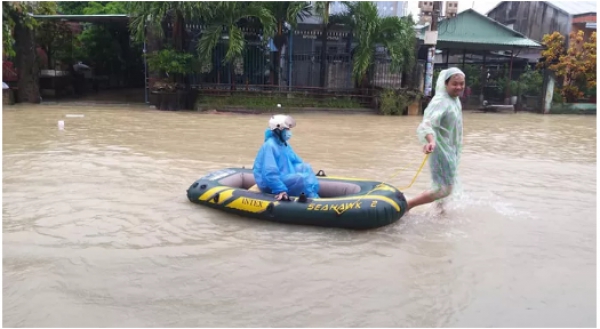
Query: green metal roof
x=471 y=30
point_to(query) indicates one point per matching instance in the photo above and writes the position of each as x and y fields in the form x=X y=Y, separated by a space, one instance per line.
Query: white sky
x=481 y=6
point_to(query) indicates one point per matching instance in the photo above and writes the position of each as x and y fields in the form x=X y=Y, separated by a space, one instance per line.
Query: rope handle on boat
x=394 y=175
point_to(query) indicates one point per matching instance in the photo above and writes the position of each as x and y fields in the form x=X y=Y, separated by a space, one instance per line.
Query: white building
x=385 y=8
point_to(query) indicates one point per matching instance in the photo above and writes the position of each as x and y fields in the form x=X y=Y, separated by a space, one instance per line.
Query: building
x=425 y=11
x=392 y=8
x=384 y=8
x=403 y=9
x=538 y=18
x=336 y=8
x=449 y=9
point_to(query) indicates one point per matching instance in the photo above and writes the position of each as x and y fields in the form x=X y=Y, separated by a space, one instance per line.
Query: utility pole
x=431 y=39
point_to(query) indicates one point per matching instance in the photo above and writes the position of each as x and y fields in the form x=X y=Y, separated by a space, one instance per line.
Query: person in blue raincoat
x=277 y=168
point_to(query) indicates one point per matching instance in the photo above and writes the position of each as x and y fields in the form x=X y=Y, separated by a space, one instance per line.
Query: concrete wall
x=575 y=108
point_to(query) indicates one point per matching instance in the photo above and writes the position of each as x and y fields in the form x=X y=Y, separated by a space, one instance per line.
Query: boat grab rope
x=339 y=212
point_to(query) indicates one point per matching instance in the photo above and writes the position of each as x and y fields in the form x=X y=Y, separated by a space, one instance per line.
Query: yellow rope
x=394 y=175
x=417 y=174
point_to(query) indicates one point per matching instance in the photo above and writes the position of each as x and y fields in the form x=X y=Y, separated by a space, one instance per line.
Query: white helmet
x=281 y=122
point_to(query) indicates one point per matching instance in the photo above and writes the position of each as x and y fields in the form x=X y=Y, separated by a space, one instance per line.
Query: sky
x=480 y=5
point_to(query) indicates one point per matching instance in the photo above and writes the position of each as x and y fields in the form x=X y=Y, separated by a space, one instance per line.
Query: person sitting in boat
x=277 y=168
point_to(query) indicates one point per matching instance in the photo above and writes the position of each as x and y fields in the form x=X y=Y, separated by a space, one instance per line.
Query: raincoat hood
x=268 y=134
x=440 y=85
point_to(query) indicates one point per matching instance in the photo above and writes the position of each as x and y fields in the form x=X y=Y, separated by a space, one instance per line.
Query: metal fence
x=521 y=86
x=301 y=71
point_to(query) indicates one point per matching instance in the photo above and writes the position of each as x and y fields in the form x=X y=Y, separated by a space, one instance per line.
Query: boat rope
x=339 y=212
x=416 y=175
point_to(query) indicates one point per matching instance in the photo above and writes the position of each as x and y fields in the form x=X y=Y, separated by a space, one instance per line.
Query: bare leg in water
x=439 y=206
x=429 y=197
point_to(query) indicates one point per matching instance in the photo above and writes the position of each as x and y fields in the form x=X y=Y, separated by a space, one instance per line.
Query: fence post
x=290 y=50
x=548 y=90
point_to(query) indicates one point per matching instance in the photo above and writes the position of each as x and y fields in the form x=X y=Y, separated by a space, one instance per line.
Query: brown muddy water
x=97 y=229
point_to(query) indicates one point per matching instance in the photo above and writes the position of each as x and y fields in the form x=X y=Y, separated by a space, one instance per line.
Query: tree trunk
x=404 y=79
x=279 y=41
x=232 y=76
x=178 y=29
x=27 y=64
x=276 y=67
x=178 y=40
x=153 y=43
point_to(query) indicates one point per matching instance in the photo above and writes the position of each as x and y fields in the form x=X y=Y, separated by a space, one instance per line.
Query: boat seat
x=254 y=188
x=239 y=180
x=332 y=189
x=327 y=189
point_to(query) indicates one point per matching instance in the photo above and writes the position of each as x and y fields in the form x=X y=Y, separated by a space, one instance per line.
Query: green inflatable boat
x=343 y=202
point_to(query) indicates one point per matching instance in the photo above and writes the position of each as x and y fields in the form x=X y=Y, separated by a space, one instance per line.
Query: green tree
x=285 y=12
x=105 y=45
x=370 y=31
x=149 y=23
x=71 y=7
x=322 y=9
x=224 y=24
x=152 y=14
x=19 y=41
x=574 y=66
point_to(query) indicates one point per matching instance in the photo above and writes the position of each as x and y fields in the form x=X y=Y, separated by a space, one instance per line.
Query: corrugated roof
x=575 y=7
x=472 y=30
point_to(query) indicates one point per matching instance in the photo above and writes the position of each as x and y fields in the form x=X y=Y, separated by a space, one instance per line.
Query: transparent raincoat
x=443 y=119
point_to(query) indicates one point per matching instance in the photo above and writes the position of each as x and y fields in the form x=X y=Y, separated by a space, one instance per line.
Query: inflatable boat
x=343 y=202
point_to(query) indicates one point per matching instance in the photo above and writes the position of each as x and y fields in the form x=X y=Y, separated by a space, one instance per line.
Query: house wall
x=532 y=19
x=587 y=18
x=579 y=24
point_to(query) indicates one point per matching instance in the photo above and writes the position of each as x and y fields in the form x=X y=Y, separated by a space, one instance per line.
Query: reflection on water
x=97 y=230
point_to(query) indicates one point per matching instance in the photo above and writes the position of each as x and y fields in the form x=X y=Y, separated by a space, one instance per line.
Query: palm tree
x=224 y=24
x=395 y=34
x=322 y=9
x=149 y=19
x=149 y=22
x=155 y=13
x=285 y=12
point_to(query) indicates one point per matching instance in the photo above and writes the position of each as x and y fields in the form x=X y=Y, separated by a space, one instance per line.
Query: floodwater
x=97 y=229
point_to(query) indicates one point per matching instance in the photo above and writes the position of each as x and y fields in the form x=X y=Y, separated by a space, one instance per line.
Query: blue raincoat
x=277 y=168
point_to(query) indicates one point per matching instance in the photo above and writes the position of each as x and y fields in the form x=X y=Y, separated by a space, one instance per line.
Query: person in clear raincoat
x=277 y=168
x=441 y=133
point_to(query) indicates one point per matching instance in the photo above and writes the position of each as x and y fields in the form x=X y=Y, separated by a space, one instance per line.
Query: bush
x=395 y=102
x=255 y=101
x=531 y=82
